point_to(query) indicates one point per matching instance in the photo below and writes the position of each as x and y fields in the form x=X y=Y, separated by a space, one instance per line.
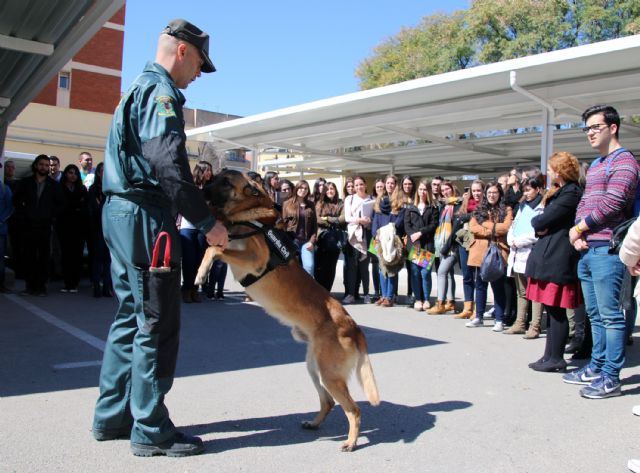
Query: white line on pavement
x=77 y=364
x=89 y=339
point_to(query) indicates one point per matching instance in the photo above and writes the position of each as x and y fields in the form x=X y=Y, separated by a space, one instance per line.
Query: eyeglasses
x=597 y=128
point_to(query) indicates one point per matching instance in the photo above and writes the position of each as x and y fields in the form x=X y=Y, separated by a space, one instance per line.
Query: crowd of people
x=49 y=218
x=552 y=246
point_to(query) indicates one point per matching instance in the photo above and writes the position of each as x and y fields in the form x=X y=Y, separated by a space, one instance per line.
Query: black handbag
x=492 y=267
x=619 y=232
x=332 y=239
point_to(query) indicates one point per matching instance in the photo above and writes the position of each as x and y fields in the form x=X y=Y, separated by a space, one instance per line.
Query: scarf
x=443 y=232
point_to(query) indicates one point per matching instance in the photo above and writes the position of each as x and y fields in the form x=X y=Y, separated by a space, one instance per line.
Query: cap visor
x=207 y=65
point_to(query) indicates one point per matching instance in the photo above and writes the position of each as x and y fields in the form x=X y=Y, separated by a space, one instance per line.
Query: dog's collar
x=259 y=228
x=281 y=248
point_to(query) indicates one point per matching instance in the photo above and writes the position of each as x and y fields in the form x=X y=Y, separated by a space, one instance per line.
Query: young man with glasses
x=609 y=194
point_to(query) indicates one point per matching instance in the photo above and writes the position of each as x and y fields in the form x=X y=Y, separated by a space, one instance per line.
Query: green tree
x=507 y=29
x=438 y=44
x=495 y=30
x=599 y=20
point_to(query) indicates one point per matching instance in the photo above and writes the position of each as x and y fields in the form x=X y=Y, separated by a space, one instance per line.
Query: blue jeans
x=468 y=278
x=388 y=285
x=601 y=276
x=421 y=282
x=499 y=297
x=307 y=259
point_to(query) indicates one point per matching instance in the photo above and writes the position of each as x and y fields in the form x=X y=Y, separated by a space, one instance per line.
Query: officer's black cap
x=184 y=30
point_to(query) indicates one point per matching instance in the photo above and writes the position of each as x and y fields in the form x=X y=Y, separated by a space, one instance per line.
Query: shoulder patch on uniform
x=164 y=106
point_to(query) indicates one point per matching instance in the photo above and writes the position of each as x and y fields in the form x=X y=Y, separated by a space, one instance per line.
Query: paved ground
x=454 y=399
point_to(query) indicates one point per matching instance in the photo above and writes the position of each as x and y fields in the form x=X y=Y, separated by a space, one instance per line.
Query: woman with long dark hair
x=300 y=221
x=469 y=205
x=71 y=226
x=328 y=210
x=556 y=285
x=100 y=256
x=489 y=222
x=358 y=236
x=521 y=239
x=408 y=193
x=271 y=185
x=318 y=189
x=192 y=241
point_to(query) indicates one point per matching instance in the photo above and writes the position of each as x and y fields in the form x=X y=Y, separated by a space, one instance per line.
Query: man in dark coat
x=37 y=199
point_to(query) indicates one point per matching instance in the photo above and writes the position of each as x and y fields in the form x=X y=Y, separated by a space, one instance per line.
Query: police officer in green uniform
x=147 y=181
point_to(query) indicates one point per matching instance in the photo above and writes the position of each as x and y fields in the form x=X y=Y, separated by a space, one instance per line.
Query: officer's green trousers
x=139 y=357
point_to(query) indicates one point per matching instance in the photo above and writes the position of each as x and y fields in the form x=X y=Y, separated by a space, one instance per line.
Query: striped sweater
x=608 y=195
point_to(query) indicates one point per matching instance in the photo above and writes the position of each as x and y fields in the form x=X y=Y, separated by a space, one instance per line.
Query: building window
x=64 y=80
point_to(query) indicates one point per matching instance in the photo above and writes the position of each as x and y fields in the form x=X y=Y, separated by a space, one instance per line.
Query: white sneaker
x=349 y=299
x=498 y=327
x=636 y=410
x=634 y=465
x=367 y=299
x=474 y=323
x=417 y=305
x=489 y=313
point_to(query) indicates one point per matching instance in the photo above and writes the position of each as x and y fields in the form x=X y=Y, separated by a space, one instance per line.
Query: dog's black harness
x=281 y=248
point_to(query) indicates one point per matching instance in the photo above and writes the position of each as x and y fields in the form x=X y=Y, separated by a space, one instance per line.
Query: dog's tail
x=365 y=371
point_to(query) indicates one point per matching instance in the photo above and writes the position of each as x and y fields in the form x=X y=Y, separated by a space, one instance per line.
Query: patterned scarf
x=443 y=232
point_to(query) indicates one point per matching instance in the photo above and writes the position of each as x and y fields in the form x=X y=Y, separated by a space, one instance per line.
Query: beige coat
x=630 y=250
x=482 y=235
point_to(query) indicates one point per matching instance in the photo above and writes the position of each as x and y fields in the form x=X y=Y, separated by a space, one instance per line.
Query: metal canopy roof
x=454 y=123
x=37 y=38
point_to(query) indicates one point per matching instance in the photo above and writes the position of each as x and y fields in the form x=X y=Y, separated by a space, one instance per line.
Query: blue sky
x=274 y=54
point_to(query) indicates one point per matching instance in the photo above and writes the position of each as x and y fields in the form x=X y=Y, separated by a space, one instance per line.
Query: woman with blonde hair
x=388 y=208
x=420 y=222
x=446 y=247
x=556 y=285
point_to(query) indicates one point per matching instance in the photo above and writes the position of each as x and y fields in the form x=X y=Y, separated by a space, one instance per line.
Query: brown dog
x=260 y=259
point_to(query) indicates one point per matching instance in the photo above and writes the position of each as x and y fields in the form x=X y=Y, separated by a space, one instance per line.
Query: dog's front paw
x=348 y=447
x=309 y=425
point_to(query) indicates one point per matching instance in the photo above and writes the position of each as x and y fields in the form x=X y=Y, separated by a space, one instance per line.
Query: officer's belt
x=153 y=200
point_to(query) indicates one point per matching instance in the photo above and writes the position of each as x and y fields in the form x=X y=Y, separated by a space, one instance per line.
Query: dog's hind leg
x=337 y=387
x=326 y=401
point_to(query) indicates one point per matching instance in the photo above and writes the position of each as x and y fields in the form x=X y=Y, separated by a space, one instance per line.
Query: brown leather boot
x=467 y=311
x=450 y=306
x=437 y=309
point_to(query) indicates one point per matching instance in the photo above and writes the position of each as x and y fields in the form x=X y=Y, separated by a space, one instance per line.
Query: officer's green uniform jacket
x=147 y=137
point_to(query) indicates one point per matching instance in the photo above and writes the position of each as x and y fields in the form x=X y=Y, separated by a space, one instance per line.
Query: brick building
x=91 y=81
